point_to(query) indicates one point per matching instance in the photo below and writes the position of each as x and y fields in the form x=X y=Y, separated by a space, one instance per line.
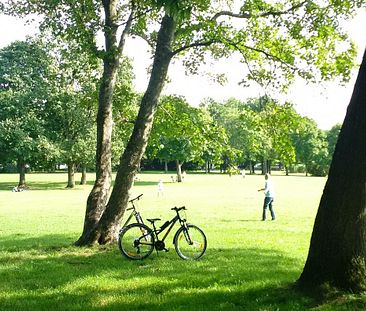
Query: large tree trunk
x=337 y=253
x=70 y=174
x=108 y=226
x=98 y=196
x=21 y=171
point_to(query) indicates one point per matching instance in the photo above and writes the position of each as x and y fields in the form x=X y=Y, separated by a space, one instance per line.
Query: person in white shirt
x=268 y=197
x=160 y=188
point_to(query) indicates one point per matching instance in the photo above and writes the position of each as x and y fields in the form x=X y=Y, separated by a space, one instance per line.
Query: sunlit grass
x=249 y=264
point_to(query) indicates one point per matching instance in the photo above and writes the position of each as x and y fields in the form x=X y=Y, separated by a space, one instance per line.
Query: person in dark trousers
x=268 y=197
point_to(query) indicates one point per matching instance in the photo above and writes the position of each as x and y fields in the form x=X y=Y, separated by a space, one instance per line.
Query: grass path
x=249 y=264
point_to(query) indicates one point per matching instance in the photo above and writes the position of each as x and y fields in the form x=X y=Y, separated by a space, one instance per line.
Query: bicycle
x=134 y=212
x=137 y=241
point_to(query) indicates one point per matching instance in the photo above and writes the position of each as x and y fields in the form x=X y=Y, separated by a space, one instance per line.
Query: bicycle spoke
x=191 y=243
x=136 y=241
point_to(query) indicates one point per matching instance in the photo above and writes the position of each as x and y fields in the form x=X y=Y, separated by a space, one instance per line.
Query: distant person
x=160 y=188
x=268 y=197
x=243 y=173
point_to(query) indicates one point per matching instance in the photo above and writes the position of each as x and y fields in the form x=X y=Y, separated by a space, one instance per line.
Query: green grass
x=249 y=264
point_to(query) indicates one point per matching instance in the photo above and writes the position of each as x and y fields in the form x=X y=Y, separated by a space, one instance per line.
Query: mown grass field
x=249 y=264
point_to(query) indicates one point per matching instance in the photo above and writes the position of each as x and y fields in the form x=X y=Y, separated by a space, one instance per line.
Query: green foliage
x=258 y=129
x=24 y=75
x=184 y=133
x=332 y=138
x=125 y=109
x=311 y=148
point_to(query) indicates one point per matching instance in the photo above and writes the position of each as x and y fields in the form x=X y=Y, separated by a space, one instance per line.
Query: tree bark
x=206 y=166
x=83 y=175
x=98 y=196
x=21 y=171
x=337 y=253
x=107 y=229
x=179 y=171
x=165 y=166
x=70 y=174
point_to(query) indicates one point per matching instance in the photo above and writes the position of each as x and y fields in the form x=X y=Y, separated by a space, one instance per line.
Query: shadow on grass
x=37 y=186
x=34 y=185
x=46 y=272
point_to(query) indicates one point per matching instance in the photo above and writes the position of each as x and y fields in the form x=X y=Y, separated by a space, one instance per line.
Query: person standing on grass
x=160 y=188
x=268 y=197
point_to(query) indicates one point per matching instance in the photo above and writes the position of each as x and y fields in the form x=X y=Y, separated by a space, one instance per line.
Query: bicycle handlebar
x=132 y=200
x=137 y=198
x=177 y=209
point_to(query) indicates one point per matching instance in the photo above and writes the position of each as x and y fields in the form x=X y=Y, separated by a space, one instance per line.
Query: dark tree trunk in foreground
x=21 y=171
x=337 y=254
x=98 y=197
x=107 y=229
x=70 y=175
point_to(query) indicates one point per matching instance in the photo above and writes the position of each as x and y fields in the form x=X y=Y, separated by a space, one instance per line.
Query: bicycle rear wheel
x=190 y=243
x=136 y=241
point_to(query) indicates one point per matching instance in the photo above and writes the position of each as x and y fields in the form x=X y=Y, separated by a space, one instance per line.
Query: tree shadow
x=35 y=185
x=99 y=278
x=47 y=272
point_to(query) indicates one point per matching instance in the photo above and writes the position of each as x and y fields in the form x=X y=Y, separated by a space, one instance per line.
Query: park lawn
x=249 y=264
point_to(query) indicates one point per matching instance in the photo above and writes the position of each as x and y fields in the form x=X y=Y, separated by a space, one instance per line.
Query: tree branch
x=231 y=14
x=277 y=13
x=142 y=36
x=125 y=31
x=137 y=16
x=268 y=55
x=195 y=44
x=248 y=15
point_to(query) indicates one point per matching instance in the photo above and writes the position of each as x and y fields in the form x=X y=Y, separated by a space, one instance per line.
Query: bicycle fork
x=186 y=234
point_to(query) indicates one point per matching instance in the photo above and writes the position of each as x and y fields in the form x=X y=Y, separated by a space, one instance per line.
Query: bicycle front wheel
x=190 y=242
x=136 y=241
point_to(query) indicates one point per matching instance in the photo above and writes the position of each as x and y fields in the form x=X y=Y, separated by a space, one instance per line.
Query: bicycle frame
x=168 y=225
x=134 y=213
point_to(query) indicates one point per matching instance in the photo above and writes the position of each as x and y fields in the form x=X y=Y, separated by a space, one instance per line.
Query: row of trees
x=277 y=40
x=261 y=130
x=48 y=107
x=49 y=98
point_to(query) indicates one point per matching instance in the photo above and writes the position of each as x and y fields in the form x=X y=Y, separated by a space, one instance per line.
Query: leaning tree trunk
x=337 y=253
x=21 y=171
x=98 y=196
x=108 y=226
x=70 y=174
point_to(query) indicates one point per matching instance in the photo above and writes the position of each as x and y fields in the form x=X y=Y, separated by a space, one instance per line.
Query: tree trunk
x=21 y=171
x=98 y=196
x=165 y=166
x=206 y=166
x=179 y=171
x=83 y=175
x=337 y=253
x=251 y=167
x=107 y=229
x=70 y=174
